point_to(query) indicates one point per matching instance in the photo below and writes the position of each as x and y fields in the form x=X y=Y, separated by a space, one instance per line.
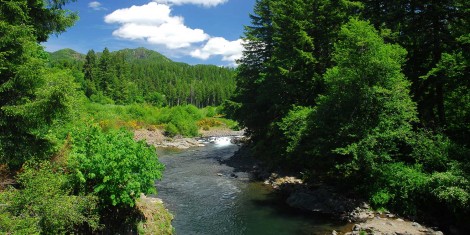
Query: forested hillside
x=372 y=96
x=141 y=75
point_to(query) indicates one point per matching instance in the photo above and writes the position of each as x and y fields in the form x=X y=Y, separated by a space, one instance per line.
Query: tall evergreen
x=288 y=48
x=89 y=71
x=252 y=70
x=427 y=30
x=30 y=99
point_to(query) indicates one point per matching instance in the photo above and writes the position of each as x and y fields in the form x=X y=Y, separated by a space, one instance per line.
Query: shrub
x=44 y=203
x=113 y=166
x=183 y=118
x=293 y=126
x=399 y=186
x=452 y=189
x=211 y=111
x=171 y=130
x=431 y=151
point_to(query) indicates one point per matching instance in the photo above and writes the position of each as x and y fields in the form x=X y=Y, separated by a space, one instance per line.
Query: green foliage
x=366 y=112
x=113 y=166
x=101 y=99
x=171 y=130
x=50 y=105
x=453 y=69
x=140 y=75
x=45 y=17
x=44 y=204
x=452 y=188
x=431 y=150
x=383 y=106
x=294 y=125
x=181 y=119
x=211 y=111
x=32 y=98
x=156 y=99
x=447 y=22
x=288 y=48
x=399 y=186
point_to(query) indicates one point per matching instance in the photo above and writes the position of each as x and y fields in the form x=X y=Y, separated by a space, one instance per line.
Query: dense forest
x=144 y=76
x=372 y=96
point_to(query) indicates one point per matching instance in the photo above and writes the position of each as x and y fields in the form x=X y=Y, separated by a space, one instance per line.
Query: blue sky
x=190 y=31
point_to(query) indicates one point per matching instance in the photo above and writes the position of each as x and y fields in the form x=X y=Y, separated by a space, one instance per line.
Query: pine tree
x=89 y=71
x=30 y=101
x=427 y=30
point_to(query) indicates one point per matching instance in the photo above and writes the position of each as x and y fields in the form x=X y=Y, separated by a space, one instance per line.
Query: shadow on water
x=209 y=197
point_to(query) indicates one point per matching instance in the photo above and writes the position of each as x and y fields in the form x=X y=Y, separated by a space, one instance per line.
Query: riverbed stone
x=356 y=227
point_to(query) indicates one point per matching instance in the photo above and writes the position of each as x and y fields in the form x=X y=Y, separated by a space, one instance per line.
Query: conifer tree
x=30 y=101
x=89 y=71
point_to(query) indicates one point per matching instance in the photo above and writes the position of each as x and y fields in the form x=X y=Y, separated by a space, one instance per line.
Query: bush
x=399 y=186
x=452 y=189
x=44 y=204
x=171 y=130
x=431 y=151
x=113 y=166
x=101 y=99
x=184 y=118
x=293 y=126
x=211 y=111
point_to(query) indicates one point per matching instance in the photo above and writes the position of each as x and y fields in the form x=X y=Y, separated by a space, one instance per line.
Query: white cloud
x=206 y=3
x=229 y=50
x=173 y=36
x=155 y=24
x=97 y=6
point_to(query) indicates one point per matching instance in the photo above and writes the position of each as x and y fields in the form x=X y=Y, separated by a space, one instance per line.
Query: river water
x=207 y=198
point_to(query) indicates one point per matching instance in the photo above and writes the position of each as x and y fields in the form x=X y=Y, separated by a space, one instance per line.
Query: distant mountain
x=142 y=75
x=130 y=55
x=66 y=54
x=142 y=54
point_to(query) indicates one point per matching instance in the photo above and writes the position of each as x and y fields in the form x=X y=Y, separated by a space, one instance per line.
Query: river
x=207 y=197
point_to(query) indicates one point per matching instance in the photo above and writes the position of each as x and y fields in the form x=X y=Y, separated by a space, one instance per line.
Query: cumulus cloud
x=97 y=6
x=206 y=3
x=229 y=50
x=154 y=23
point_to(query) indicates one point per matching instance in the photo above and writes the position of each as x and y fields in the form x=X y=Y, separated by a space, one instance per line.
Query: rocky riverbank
x=159 y=140
x=326 y=200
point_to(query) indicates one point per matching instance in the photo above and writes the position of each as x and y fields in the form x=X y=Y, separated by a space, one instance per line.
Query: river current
x=207 y=197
